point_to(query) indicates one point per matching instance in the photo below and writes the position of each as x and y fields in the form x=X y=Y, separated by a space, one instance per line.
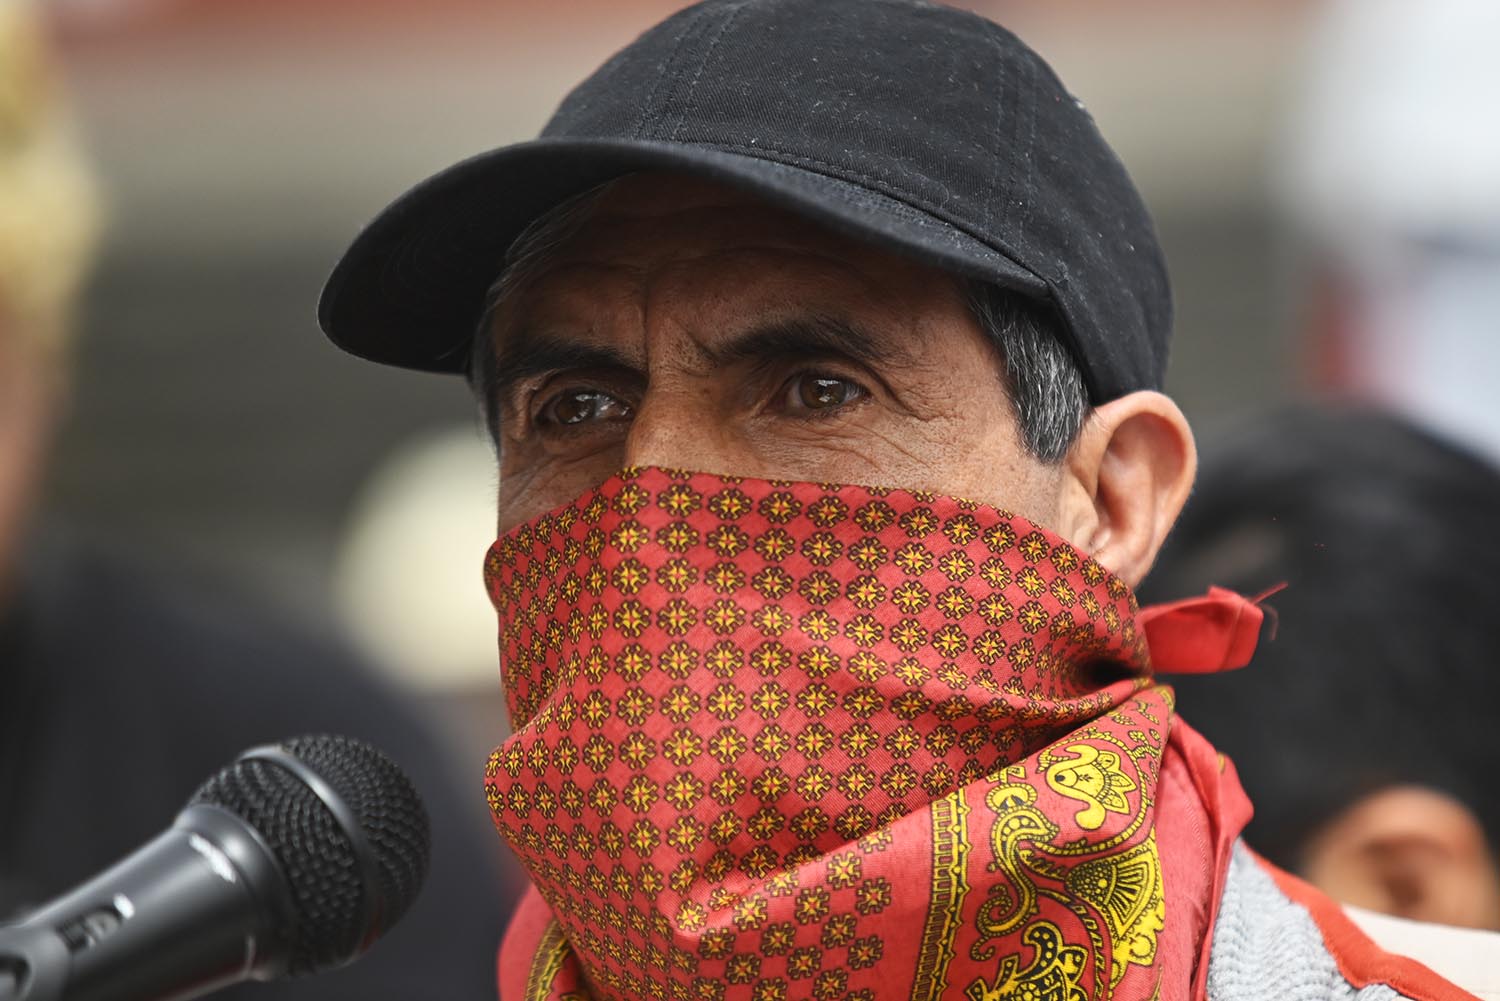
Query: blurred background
x=243 y=142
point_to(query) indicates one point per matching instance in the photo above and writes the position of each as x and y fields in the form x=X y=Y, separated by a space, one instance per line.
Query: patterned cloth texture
x=778 y=741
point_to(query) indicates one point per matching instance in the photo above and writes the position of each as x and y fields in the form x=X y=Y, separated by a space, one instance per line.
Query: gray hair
x=1043 y=382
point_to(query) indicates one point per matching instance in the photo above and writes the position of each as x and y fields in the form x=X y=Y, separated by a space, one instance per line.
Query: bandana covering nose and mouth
x=776 y=741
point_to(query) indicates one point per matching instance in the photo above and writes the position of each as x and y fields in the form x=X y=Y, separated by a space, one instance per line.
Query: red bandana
x=778 y=741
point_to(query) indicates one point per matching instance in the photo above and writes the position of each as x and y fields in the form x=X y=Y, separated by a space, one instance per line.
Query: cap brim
x=410 y=289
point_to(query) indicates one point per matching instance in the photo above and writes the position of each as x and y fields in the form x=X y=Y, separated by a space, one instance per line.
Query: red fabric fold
x=1214 y=632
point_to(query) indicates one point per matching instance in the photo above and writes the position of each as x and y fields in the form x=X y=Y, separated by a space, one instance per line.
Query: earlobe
x=1412 y=852
x=1129 y=473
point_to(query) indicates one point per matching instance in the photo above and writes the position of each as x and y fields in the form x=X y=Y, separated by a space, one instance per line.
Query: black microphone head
x=348 y=829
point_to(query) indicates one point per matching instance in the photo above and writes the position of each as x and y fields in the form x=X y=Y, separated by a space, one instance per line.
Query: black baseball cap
x=924 y=129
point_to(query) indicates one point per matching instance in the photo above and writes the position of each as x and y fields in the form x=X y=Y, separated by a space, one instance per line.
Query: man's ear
x=1412 y=852
x=1128 y=475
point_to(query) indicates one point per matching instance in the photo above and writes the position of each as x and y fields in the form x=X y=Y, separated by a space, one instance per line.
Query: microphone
x=291 y=860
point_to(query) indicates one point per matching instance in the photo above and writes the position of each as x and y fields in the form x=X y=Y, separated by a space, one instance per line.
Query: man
x=778 y=735
x=122 y=689
x=1383 y=535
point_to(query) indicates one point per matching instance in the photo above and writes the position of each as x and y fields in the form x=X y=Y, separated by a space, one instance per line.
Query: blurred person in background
x=122 y=690
x=1389 y=181
x=778 y=734
x=1351 y=730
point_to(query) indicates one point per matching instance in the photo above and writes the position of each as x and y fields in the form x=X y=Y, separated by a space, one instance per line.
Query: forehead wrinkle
x=532 y=312
x=532 y=295
x=650 y=302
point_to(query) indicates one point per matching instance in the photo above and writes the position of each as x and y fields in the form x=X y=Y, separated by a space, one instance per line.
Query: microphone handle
x=195 y=909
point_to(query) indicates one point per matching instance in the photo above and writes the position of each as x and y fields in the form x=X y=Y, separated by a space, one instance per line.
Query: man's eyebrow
x=807 y=337
x=530 y=353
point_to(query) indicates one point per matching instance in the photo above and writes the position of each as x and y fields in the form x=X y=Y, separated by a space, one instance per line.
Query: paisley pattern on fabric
x=777 y=741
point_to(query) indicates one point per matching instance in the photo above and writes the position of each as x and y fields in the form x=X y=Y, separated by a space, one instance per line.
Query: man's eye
x=821 y=392
x=582 y=406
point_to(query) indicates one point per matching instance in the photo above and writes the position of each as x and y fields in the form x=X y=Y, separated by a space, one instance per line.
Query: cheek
x=995 y=468
x=971 y=440
x=973 y=454
x=529 y=489
x=980 y=457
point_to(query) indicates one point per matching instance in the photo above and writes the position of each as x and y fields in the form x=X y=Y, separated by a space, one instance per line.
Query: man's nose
x=685 y=430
